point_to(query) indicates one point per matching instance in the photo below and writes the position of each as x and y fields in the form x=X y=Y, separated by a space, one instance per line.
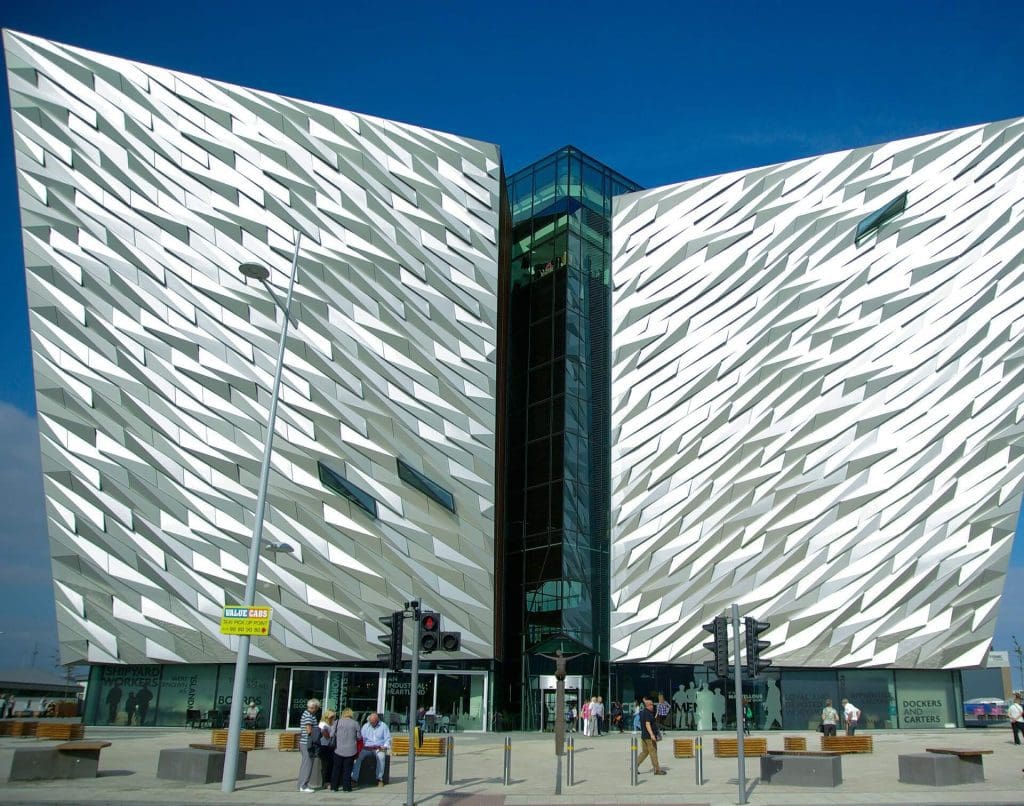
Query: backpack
x=313 y=747
x=327 y=739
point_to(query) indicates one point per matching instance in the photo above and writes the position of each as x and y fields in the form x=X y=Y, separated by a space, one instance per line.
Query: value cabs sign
x=238 y=620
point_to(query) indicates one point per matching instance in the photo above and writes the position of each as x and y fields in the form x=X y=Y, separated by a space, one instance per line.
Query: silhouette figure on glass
x=772 y=706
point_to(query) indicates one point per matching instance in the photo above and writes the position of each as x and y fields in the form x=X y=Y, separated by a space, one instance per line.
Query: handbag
x=359 y=746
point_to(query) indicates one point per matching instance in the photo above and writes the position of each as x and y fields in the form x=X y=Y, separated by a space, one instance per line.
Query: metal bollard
x=633 y=755
x=449 y=760
x=570 y=761
x=698 y=758
x=507 y=771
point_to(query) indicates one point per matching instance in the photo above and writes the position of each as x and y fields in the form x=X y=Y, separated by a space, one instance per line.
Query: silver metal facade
x=141 y=190
x=825 y=430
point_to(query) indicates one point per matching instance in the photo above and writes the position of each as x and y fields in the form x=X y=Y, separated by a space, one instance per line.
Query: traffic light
x=430 y=632
x=719 y=646
x=755 y=647
x=393 y=641
x=451 y=641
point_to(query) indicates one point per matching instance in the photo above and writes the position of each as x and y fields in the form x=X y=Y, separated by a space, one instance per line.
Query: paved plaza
x=128 y=774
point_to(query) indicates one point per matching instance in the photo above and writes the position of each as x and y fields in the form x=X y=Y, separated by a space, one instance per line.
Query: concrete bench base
x=368 y=772
x=194 y=765
x=929 y=769
x=47 y=763
x=802 y=770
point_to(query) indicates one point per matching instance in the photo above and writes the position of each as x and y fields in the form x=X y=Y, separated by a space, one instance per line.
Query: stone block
x=194 y=765
x=929 y=769
x=802 y=770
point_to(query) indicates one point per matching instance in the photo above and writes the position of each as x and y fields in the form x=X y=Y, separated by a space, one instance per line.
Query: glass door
x=307 y=684
x=460 y=702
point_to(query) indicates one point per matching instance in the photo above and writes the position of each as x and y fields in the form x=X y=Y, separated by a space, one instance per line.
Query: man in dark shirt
x=650 y=734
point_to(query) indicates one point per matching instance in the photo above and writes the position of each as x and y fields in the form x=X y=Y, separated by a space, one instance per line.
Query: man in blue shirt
x=376 y=743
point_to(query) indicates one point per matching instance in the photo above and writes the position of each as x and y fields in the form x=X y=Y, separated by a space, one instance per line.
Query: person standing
x=325 y=750
x=346 y=735
x=1016 y=714
x=113 y=702
x=852 y=715
x=651 y=736
x=661 y=711
x=598 y=711
x=829 y=718
x=307 y=740
x=376 y=743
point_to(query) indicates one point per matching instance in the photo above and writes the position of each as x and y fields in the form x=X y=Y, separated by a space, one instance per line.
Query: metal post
x=698 y=759
x=570 y=763
x=449 y=760
x=506 y=773
x=634 y=754
x=738 y=680
x=242 y=660
x=410 y=789
x=558 y=775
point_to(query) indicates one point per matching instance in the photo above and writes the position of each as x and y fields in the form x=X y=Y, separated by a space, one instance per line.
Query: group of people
x=339 y=746
x=830 y=717
x=136 y=706
x=592 y=719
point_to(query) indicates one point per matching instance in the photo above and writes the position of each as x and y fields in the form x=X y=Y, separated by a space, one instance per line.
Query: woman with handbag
x=829 y=718
x=346 y=748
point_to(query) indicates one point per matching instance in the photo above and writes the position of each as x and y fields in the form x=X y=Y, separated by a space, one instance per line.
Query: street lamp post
x=260 y=273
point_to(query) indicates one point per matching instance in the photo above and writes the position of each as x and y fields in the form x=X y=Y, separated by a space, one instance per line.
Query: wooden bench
x=67 y=760
x=247 y=739
x=794 y=743
x=682 y=748
x=288 y=740
x=848 y=744
x=972 y=768
x=432 y=746
x=20 y=727
x=729 y=748
x=66 y=731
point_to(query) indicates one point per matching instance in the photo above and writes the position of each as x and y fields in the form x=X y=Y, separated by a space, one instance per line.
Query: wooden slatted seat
x=682 y=748
x=794 y=742
x=432 y=746
x=729 y=748
x=23 y=728
x=288 y=740
x=848 y=744
x=66 y=731
x=247 y=739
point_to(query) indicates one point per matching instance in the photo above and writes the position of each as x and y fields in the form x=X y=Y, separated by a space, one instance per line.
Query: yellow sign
x=238 y=620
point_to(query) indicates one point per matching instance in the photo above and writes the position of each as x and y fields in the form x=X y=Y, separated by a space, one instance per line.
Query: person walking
x=309 y=735
x=346 y=748
x=651 y=735
x=829 y=718
x=1016 y=714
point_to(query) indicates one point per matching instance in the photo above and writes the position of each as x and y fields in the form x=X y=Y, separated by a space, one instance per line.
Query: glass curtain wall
x=557 y=546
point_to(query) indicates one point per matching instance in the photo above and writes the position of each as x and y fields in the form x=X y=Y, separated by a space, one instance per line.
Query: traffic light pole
x=738 y=679
x=414 y=673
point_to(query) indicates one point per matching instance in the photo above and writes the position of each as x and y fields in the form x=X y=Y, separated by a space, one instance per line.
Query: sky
x=669 y=92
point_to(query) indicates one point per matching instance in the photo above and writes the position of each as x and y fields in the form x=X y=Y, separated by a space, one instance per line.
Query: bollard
x=449 y=760
x=570 y=762
x=507 y=771
x=698 y=759
x=633 y=755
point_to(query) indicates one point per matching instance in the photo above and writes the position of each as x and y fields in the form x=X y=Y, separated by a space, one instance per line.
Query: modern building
x=566 y=413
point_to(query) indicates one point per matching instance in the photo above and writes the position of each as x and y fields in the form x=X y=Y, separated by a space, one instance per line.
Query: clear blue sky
x=678 y=91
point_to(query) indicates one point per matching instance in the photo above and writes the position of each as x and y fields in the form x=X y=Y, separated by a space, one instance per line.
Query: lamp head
x=254 y=271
